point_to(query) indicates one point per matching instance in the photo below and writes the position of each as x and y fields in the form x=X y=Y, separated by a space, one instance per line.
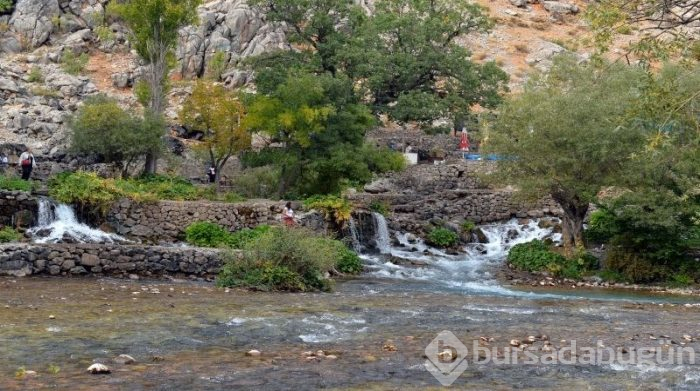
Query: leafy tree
x=154 y=26
x=665 y=26
x=403 y=59
x=219 y=114
x=407 y=59
x=101 y=127
x=660 y=212
x=566 y=136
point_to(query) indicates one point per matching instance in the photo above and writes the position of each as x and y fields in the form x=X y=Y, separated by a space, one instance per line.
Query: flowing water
x=58 y=223
x=191 y=336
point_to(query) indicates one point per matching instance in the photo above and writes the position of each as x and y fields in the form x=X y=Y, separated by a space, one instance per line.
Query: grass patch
x=207 y=234
x=13 y=183
x=8 y=235
x=74 y=64
x=87 y=188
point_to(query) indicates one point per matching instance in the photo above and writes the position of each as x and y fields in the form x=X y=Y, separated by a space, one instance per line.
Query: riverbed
x=186 y=336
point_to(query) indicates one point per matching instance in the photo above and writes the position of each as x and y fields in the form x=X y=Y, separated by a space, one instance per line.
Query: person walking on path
x=27 y=162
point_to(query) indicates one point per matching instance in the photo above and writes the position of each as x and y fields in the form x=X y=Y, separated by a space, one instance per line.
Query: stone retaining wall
x=17 y=208
x=167 y=220
x=106 y=259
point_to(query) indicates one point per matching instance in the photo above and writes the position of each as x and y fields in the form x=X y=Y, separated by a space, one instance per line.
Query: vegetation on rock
x=9 y=182
x=7 y=235
x=442 y=237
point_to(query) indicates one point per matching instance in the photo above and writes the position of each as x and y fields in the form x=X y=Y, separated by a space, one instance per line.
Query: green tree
x=101 y=127
x=403 y=59
x=154 y=26
x=567 y=136
x=407 y=59
x=319 y=124
x=660 y=211
x=219 y=114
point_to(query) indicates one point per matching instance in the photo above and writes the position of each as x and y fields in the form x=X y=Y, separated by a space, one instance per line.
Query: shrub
x=601 y=226
x=257 y=182
x=349 y=262
x=217 y=65
x=15 y=183
x=73 y=64
x=85 y=189
x=5 y=5
x=334 y=208
x=286 y=259
x=206 y=234
x=105 y=34
x=241 y=238
x=468 y=226
x=442 y=237
x=35 y=75
x=634 y=267
x=8 y=235
x=534 y=256
x=381 y=207
x=681 y=280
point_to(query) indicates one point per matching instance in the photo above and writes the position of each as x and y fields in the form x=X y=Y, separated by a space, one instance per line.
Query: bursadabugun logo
x=447 y=357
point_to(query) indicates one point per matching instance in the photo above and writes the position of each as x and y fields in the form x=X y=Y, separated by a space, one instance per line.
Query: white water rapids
x=469 y=272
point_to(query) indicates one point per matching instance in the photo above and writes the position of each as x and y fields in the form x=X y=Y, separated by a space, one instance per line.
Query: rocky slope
x=36 y=94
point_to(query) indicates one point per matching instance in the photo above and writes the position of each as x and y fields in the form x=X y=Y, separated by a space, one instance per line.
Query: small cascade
x=381 y=232
x=354 y=236
x=58 y=224
x=469 y=272
x=45 y=215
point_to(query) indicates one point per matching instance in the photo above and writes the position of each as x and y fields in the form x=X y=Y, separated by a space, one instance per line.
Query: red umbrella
x=464 y=142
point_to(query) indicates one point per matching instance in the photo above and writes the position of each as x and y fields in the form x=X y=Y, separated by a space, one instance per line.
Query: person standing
x=211 y=173
x=3 y=163
x=288 y=215
x=27 y=162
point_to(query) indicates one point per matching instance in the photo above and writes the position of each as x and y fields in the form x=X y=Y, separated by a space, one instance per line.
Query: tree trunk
x=155 y=78
x=572 y=222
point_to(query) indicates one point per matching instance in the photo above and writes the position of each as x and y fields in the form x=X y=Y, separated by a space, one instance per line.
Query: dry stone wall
x=101 y=259
x=166 y=220
x=17 y=208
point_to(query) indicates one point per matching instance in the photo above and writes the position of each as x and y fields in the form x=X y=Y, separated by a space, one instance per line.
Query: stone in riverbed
x=124 y=359
x=253 y=353
x=98 y=369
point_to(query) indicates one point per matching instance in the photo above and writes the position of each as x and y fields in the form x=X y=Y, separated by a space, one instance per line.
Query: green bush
x=217 y=65
x=381 y=207
x=15 y=183
x=5 y=5
x=468 y=226
x=206 y=234
x=601 y=227
x=535 y=256
x=285 y=259
x=73 y=64
x=349 y=262
x=258 y=182
x=84 y=189
x=635 y=267
x=242 y=237
x=8 y=235
x=681 y=280
x=442 y=237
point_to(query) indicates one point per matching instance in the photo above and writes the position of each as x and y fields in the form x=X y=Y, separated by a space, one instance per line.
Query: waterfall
x=62 y=225
x=355 y=236
x=381 y=233
x=470 y=271
x=45 y=216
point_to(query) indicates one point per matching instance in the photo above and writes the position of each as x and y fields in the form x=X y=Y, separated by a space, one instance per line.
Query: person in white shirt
x=3 y=163
x=288 y=215
x=27 y=162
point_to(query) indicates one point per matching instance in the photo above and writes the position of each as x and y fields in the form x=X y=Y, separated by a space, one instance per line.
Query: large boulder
x=561 y=8
x=33 y=20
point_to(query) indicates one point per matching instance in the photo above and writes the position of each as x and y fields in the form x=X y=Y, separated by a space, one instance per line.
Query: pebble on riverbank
x=99 y=369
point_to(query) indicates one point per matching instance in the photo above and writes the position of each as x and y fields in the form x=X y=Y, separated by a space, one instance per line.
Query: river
x=373 y=330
